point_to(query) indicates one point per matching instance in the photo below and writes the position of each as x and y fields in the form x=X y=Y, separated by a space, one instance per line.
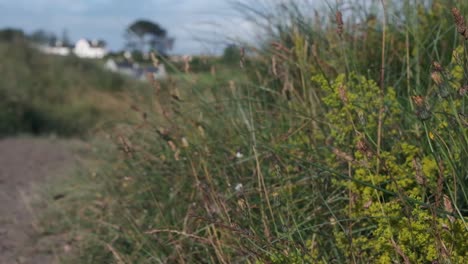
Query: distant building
x=135 y=71
x=124 y=67
x=95 y=49
x=56 y=48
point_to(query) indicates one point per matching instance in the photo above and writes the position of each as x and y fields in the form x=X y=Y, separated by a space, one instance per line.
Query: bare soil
x=26 y=163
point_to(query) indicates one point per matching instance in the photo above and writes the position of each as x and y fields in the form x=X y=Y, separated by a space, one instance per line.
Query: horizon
x=198 y=26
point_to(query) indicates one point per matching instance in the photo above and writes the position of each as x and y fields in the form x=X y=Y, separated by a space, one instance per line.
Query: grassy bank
x=68 y=96
x=343 y=140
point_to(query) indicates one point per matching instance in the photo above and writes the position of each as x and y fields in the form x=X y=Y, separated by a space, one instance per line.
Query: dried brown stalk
x=419 y=174
x=400 y=252
x=460 y=23
x=339 y=23
x=342 y=92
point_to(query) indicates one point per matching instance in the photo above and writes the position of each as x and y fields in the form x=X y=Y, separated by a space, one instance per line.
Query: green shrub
x=395 y=217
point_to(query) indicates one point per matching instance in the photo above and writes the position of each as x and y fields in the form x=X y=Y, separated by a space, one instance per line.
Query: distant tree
x=101 y=43
x=144 y=35
x=231 y=54
x=137 y=56
x=65 y=38
x=43 y=37
x=11 y=34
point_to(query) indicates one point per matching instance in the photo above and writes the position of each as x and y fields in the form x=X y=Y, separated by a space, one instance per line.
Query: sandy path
x=25 y=162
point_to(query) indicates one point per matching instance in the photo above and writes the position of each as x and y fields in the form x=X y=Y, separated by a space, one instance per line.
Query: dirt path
x=25 y=163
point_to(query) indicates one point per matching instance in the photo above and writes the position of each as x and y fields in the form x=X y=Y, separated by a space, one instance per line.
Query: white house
x=90 y=49
x=58 y=48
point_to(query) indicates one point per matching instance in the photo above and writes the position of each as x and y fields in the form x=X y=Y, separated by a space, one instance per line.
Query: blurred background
x=185 y=21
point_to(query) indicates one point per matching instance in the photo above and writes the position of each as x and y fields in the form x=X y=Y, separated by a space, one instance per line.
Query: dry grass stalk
x=187 y=64
x=437 y=67
x=419 y=174
x=463 y=119
x=339 y=23
x=184 y=234
x=242 y=57
x=172 y=145
x=422 y=110
x=175 y=94
x=382 y=84
x=118 y=258
x=154 y=59
x=363 y=147
x=448 y=207
x=201 y=130
x=400 y=252
x=418 y=100
x=273 y=66
x=460 y=23
x=368 y=204
x=463 y=90
x=156 y=84
x=440 y=184
x=343 y=94
x=448 y=204
x=288 y=89
x=185 y=142
x=280 y=47
x=126 y=146
x=343 y=155
x=232 y=87
x=213 y=70
x=437 y=77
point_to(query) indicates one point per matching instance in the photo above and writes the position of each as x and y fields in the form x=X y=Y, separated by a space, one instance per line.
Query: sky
x=198 y=26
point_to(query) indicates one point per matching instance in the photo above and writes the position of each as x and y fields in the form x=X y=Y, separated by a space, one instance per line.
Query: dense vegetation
x=344 y=141
x=42 y=94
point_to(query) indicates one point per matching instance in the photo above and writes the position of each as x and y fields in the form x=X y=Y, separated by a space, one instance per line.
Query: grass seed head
x=437 y=66
x=463 y=90
x=460 y=23
x=339 y=23
x=437 y=77
x=418 y=100
x=154 y=59
x=419 y=173
x=343 y=94
x=422 y=112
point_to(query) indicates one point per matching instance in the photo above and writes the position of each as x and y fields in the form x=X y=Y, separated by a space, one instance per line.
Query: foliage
x=232 y=54
x=11 y=34
x=144 y=35
x=391 y=225
x=328 y=146
x=44 y=37
x=45 y=94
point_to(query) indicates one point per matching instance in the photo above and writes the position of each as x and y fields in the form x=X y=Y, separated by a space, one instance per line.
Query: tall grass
x=43 y=94
x=343 y=140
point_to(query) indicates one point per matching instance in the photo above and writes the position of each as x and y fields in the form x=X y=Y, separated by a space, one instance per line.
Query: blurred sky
x=186 y=20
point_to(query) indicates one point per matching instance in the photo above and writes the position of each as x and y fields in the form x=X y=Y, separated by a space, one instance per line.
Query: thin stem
x=382 y=86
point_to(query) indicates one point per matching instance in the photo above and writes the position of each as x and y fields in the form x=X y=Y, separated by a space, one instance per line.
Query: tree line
x=140 y=36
